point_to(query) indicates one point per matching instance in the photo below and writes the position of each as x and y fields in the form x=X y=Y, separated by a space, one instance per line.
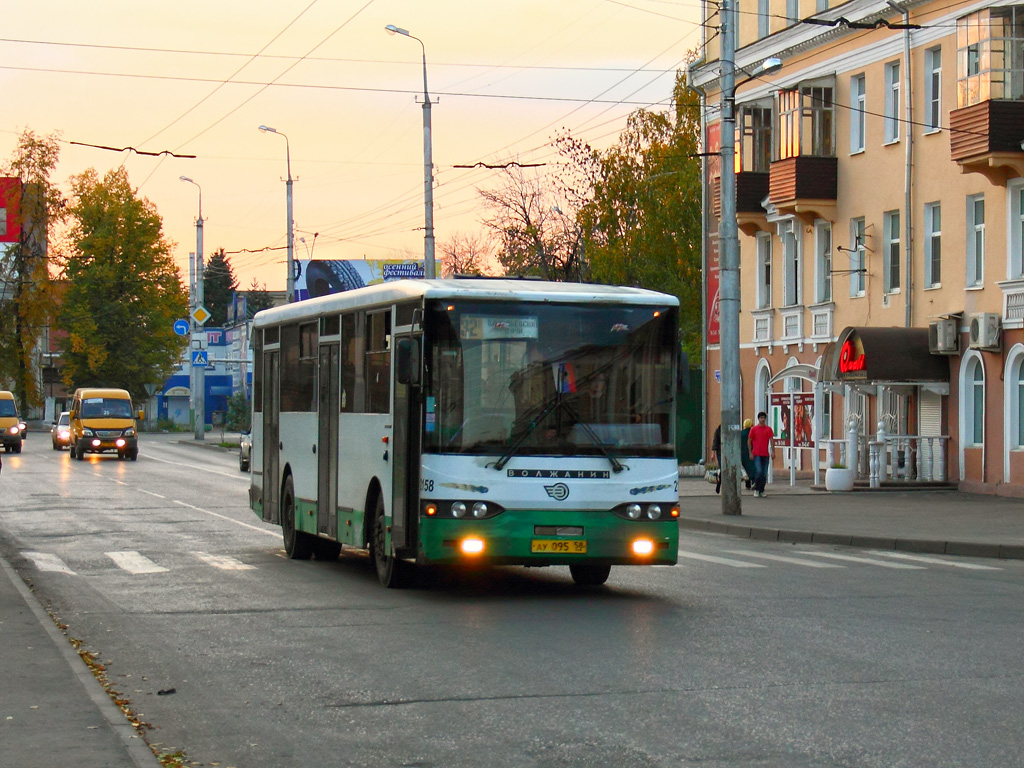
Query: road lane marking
x=135 y=563
x=868 y=560
x=719 y=560
x=937 y=561
x=232 y=475
x=150 y=493
x=784 y=559
x=275 y=534
x=46 y=562
x=224 y=562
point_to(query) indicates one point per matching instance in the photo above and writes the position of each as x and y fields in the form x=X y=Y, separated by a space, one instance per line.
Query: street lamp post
x=198 y=383
x=290 y=283
x=428 y=163
x=729 y=272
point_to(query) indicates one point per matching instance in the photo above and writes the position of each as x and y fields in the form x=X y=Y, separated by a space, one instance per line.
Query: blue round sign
x=181 y=327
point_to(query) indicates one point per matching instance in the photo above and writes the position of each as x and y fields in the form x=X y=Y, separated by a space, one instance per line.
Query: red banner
x=711 y=267
x=10 y=209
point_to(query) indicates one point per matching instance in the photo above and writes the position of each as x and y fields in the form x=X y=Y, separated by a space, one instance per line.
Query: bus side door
x=272 y=436
x=406 y=450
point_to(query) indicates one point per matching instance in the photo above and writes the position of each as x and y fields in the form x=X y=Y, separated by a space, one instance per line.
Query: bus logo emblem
x=558 y=491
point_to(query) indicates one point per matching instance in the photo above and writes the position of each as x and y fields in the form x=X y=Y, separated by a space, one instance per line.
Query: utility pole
x=729 y=274
x=199 y=398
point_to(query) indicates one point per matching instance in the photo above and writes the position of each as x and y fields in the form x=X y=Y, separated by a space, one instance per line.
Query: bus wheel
x=392 y=572
x=296 y=543
x=326 y=550
x=80 y=455
x=590 y=575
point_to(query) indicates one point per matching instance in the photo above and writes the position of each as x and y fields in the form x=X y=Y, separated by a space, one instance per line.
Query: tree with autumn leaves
x=123 y=291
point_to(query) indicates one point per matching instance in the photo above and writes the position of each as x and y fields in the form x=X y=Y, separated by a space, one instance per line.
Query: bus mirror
x=141 y=415
x=407 y=361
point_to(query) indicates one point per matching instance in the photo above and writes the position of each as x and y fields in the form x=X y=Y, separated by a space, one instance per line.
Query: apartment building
x=880 y=205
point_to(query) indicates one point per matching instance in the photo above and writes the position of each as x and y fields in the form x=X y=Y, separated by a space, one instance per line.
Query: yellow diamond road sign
x=201 y=315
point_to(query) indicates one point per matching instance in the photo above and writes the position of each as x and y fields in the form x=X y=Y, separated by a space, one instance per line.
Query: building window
x=858 y=257
x=891 y=233
x=755 y=139
x=933 y=245
x=820 y=5
x=806 y=122
x=975 y=240
x=1015 y=222
x=858 y=94
x=792 y=11
x=823 y=261
x=763 y=18
x=975 y=402
x=790 y=266
x=892 y=102
x=989 y=60
x=932 y=90
x=764 y=270
x=1017 y=383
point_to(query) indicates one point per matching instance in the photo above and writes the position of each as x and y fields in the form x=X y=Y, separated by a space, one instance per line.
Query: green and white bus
x=469 y=421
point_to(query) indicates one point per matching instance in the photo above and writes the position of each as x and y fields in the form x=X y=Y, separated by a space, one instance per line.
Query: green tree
x=27 y=290
x=124 y=291
x=257 y=299
x=642 y=214
x=219 y=284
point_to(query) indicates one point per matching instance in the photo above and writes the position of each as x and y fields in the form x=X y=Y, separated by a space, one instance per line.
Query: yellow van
x=10 y=424
x=103 y=420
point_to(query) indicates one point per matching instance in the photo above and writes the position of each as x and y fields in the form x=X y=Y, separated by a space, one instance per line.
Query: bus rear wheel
x=590 y=575
x=297 y=545
x=392 y=572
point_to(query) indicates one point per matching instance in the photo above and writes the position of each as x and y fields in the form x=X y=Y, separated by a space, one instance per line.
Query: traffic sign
x=181 y=327
x=201 y=314
x=200 y=358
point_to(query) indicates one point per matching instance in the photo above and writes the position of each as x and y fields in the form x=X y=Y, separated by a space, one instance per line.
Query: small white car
x=60 y=432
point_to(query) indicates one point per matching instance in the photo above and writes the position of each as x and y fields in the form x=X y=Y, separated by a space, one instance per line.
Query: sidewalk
x=52 y=710
x=940 y=521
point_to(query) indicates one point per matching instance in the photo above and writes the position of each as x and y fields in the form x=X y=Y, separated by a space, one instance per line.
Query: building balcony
x=986 y=138
x=751 y=189
x=805 y=186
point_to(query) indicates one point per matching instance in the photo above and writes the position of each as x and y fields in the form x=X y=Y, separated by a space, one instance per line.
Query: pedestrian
x=748 y=463
x=761 y=443
x=716 y=448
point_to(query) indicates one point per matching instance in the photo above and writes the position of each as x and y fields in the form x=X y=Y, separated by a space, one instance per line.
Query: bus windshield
x=551 y=379
x=106 y=407
x=8 y=408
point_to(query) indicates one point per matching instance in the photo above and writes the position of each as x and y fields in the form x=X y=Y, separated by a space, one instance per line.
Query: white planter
x=839 y=479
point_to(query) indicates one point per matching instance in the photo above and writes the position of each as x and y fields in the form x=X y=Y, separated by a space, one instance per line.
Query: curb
x=138 y=751
x=920 y=546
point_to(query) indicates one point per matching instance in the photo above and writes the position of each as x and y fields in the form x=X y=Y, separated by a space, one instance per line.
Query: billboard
x=10 y=205
x=320 y=277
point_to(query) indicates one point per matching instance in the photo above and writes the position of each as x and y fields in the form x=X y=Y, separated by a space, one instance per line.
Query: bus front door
x=271 y=437
x=405 y=463
x=328 y=408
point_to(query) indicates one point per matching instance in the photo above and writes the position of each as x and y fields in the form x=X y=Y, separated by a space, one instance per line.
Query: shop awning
x=897 y=355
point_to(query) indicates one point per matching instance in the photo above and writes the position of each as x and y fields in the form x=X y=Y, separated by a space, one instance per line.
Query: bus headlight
x=633 y=511
x=653 y=512
x=458 y=509
x=479 y=509
x=643 y=547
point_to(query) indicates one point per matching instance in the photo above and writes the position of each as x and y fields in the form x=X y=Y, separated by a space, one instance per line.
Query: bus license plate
x=559 y=546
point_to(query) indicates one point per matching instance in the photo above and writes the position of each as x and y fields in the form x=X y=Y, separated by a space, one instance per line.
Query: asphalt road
x=746 y=654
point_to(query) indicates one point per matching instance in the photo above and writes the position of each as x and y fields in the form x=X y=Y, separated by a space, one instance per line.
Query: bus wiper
x=552 y=405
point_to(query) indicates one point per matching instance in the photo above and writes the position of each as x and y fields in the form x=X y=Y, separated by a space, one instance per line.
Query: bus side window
x=378 y=362
x=348 y=363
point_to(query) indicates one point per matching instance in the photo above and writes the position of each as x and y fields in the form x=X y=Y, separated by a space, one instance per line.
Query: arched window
x=972 y=401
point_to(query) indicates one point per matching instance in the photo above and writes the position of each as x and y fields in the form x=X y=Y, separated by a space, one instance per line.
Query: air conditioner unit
x=944 y=337
x=986 y=330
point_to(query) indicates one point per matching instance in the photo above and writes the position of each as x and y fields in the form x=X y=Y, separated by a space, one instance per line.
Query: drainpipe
x=704 y=219
x=908 y=177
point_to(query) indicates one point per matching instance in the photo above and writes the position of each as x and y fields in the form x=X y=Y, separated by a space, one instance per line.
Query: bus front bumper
x=543 y=537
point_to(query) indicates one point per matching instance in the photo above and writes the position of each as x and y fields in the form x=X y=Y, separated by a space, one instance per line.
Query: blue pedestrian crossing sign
x=200 y=358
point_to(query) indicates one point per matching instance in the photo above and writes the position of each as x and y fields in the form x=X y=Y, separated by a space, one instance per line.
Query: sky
x=199 y=78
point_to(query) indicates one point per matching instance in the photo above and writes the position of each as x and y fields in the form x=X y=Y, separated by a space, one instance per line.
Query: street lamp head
x=391 y=29
x=186 y=178
x=268 y=129
x=768 y=66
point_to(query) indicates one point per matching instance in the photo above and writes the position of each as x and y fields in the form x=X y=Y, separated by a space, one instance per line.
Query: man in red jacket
x=761 y=443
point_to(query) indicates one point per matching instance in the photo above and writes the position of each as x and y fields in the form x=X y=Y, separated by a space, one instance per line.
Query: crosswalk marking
x=868 y=560
x=783 y=559
x=47 y=562
x=135 y=563
x=719 y=560
x=224 y=562
x=938 y=561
